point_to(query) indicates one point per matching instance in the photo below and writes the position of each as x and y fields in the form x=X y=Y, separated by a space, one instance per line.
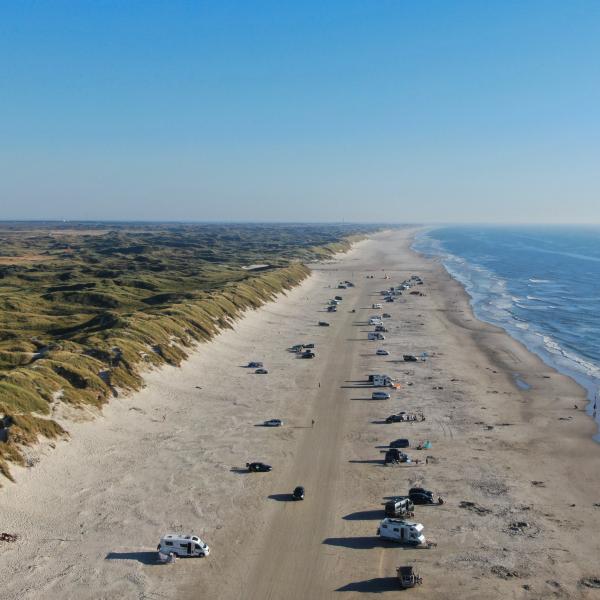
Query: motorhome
x=403 y=532
x=375 y=335
x=182 y=545
x=380 y=380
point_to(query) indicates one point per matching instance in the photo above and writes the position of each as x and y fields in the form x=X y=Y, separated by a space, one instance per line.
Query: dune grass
x=110 y=300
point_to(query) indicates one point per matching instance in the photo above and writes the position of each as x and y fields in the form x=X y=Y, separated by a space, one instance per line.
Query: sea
x=540 y=284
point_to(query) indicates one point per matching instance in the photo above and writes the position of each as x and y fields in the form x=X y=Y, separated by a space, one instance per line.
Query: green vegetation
x=84 y=307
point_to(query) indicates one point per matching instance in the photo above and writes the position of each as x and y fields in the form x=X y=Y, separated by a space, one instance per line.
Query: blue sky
x=300 y=111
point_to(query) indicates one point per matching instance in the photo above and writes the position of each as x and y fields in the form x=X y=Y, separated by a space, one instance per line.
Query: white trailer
x=403 y=532
x=182 y=545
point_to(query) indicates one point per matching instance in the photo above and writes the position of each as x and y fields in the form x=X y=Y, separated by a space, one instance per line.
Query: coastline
x=99 y=538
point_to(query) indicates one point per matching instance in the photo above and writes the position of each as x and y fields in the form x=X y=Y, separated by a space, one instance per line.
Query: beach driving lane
x=293 y=561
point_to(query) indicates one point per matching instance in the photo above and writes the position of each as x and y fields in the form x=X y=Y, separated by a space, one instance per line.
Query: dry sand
x=171 y=457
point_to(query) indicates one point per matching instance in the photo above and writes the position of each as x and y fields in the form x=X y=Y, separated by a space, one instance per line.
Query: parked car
x=386 y=316
x=307 y=354
x=258 y=467
x=298 y=493
x=323 y=324
x=380 y=396
x=393 y=455
x=382 y=352
x=409 y=358
x=311 y=345
x=261 y=372
x=273 y=423
x=338 y=298
x=397 y=418
x=255 y=365
x=400 y=443
x=420 y=496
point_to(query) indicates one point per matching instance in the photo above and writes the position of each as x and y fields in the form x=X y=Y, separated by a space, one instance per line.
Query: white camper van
x=403 y=532
x=182 y=545
x=375 y=335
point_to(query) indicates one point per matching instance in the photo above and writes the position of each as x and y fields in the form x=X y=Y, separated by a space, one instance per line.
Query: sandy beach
x=511 y=455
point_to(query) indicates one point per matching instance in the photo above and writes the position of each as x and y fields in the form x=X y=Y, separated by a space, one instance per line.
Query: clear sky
x=300 y=111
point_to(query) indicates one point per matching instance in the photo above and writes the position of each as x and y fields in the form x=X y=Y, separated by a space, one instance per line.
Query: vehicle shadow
x=356 y=543
x=379 y=422
x=146 y=558
x=365 y=515
x=281 y=497
x=375 y=586
x=357 y=387
x=239 y=470
x=372 y=461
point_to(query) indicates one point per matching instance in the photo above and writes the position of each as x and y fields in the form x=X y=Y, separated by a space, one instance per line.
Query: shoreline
x=172 y=456
x=585 y=382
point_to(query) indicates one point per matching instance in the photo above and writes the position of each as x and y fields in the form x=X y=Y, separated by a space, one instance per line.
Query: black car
x=258 y=467
x=399 y=418
x=338 y=298
x=400 y=443
x=298 y=493
x=409 y=358
x=323 y=324
x=393 y=455
x=307 y=354
x=420 y=496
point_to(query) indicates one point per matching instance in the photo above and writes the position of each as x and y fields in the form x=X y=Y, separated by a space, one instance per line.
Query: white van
x=182 y=545
x=404 y=532
x=376 y=306
x=375 y=335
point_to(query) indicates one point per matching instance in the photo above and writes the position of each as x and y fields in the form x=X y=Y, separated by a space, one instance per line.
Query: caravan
x=380 y=380
x=403 y=532
x=399 y=507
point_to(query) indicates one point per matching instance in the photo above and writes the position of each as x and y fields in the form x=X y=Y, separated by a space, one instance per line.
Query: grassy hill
x=85 y=307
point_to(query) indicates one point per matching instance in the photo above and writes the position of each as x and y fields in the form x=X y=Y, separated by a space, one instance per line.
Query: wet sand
x=517 y=467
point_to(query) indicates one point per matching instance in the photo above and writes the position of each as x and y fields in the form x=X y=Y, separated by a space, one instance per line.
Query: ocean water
x=541 y=284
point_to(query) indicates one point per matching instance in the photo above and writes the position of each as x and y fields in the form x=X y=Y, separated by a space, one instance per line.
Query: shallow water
x=541 y=284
